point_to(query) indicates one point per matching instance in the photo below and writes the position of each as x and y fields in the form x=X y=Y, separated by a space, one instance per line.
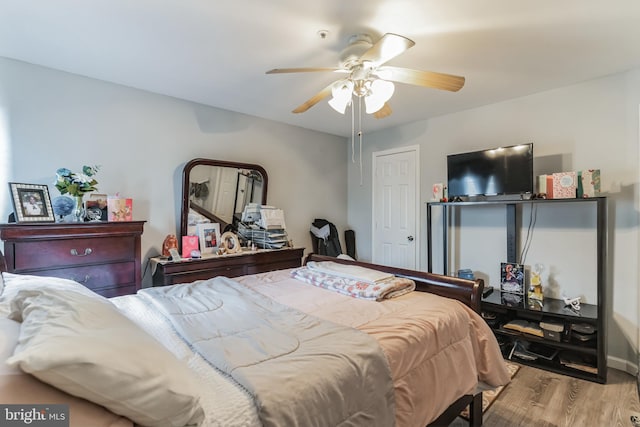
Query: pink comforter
x=438 y=349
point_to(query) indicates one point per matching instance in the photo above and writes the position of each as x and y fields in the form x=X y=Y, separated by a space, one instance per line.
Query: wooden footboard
x=468 y=292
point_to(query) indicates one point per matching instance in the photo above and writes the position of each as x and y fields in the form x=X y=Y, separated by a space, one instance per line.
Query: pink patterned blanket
x=376 y=291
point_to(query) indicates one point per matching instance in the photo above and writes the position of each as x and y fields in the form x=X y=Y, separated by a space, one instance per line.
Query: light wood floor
x=537 y=398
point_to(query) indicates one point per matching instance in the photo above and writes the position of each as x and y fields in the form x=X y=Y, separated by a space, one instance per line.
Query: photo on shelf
x=31 y=202
x=512 y=278
x=209 y=234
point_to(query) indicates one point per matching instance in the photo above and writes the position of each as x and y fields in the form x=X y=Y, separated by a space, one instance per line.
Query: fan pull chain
x=360 y=133
x=353 y=134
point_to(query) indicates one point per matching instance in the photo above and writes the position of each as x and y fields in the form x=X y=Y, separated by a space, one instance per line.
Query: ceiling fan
x=368 y=79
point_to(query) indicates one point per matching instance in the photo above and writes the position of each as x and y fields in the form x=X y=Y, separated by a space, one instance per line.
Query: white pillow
x=15 y=282
x=82 y=344
x=9 y=330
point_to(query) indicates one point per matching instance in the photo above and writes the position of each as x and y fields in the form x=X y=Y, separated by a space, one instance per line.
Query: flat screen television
x=497 y=171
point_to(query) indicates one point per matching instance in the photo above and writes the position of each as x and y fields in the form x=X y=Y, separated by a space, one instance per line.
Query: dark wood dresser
x=232 y=265
x=103 y=256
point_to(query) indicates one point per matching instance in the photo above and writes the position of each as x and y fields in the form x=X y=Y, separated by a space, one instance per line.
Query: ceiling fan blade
x=388 y=47
x=314 y=100
x=385 y=111
x=305 y=70
x=422 y=78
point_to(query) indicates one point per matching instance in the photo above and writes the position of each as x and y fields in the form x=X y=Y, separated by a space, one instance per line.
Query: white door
x=227 y=180
x=395 y=207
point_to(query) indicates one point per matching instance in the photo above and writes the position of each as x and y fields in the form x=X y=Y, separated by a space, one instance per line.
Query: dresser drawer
x=279 y=265
x=233 y=265
x=33 y=255
x=190 y=276
x=96 y=278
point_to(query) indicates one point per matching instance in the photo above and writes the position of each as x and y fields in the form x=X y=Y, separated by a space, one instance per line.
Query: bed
x=292 y=354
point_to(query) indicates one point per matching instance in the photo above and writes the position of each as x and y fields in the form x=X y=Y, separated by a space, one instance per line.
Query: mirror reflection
x=217 y=191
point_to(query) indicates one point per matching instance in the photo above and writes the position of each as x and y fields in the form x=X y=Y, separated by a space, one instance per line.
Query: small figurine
x=445 y=194
x=535 y=284
x=170 y=242
x=574 y=303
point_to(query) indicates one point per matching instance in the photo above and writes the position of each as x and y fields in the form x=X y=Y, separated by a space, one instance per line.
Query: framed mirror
x=217 y=191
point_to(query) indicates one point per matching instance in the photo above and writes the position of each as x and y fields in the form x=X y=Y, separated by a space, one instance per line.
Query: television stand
x=578 y=355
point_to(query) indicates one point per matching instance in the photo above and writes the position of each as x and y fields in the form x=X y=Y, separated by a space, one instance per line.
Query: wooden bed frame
x=467 y=291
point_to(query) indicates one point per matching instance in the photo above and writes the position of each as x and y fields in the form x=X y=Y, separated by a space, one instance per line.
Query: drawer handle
x=84 y=281
x=87 y=251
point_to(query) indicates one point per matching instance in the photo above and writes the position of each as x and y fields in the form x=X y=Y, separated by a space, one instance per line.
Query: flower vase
x=78 y=210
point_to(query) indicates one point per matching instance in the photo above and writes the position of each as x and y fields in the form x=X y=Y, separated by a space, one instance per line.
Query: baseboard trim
x=622 y=365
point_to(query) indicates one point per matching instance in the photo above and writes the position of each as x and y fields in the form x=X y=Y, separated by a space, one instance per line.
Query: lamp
x=375 y=93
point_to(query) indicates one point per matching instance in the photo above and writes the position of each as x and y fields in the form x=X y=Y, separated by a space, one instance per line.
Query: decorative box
x=119 y=209
x=541 y=184
x=565 y=185
x=552 y=331
x=189 y=244
x=549 y=186
x=590 y=179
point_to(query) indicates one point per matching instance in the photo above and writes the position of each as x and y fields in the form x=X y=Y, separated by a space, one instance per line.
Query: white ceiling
x=216 y=52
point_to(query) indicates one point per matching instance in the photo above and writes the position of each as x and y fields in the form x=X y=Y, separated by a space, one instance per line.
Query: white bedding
x=433 y=373
x=236 y=409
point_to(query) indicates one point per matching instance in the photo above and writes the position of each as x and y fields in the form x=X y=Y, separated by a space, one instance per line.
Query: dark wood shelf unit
x=552 y=310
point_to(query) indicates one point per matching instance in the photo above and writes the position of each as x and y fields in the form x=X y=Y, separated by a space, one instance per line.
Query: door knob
x=410 y=238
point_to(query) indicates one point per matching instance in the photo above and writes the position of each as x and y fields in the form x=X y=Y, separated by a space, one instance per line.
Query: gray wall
x=584 y=126
x=51 y=119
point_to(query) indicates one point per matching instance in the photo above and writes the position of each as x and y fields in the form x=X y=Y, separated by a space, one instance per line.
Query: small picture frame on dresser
x=209 y=234
x=31 y=202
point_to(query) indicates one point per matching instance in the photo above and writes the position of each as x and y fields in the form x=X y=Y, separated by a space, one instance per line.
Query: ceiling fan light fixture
x=341 y=92
x=381 y=91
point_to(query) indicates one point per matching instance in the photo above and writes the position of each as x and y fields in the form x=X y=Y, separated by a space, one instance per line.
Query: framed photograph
x=209 y=234
x=512 y=278
x=230 y=242
x=31 y=202
x=96 y=207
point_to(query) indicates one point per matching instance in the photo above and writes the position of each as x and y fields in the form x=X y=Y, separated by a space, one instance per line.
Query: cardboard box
x=552 y=331
x=119 y=209
x=565 y=185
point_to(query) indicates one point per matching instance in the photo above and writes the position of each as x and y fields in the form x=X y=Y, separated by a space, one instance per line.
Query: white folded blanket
x=378 y=291
x=354 y=272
